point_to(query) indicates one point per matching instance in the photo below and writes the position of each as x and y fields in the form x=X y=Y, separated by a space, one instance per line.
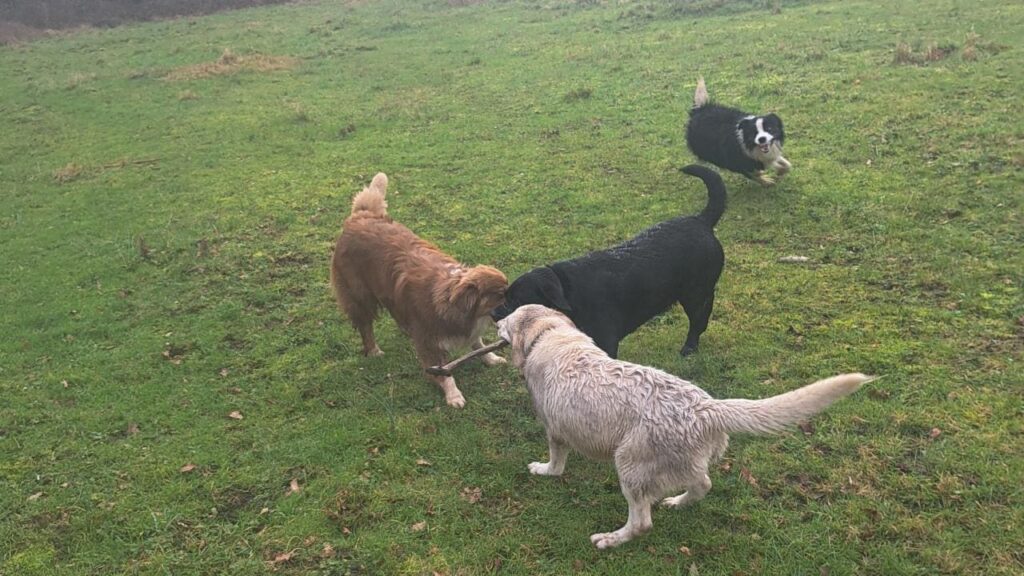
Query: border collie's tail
x=371 y=199
x=700 y=97
x=775 y=414
x=716 y=193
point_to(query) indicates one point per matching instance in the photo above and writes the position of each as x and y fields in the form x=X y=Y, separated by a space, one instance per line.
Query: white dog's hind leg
x=555 y=464
x=639 y=523
x=491 y=359
x=694 y=492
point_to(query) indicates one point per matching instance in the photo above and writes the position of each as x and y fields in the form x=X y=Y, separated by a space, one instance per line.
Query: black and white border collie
x=734 y=140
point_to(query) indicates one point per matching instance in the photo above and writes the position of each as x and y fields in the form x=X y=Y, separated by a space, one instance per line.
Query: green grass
x=165 y=256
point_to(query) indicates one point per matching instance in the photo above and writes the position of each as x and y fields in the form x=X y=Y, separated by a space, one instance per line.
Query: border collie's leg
x=763 y=179
x=782 y=166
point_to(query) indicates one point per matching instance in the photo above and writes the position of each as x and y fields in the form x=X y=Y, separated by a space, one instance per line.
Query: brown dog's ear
x=466 y=293
x=478 y=282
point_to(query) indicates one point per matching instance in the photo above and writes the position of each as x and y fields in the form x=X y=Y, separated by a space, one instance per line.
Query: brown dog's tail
x=371 y=199
x=777 y=413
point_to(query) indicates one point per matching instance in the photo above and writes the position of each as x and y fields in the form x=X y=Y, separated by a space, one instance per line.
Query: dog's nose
x=762 y=139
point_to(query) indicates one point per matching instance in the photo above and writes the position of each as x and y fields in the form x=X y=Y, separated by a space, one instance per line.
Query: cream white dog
x=661 y=431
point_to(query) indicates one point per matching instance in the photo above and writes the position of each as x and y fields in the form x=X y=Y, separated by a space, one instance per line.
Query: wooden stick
x=446 y=370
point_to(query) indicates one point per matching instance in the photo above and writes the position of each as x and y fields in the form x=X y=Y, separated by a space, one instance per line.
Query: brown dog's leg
x=491 y=359
x=370 y=347
x=359 y=304
x=431 y=356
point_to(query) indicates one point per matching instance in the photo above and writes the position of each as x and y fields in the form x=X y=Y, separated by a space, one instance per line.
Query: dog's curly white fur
x=662 y=432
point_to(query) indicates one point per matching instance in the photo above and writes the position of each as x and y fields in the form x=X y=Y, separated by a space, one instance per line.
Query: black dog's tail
x=716 y=193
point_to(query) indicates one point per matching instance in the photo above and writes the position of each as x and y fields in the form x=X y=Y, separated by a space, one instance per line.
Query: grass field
x=179 y=395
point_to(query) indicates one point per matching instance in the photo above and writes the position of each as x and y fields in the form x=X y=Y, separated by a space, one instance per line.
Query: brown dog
x=439 y=303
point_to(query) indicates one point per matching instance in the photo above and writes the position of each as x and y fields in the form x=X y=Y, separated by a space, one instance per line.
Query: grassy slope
x=906 y=195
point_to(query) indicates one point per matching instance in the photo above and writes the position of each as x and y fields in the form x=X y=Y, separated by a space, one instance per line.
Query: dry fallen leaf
x=693 y=570
x=419 y=526
x=935 y=432
x=685 y=550
x=328 y=551
x=133 y=428
x=806 y=427
x=282 y=557
x=264 y=510
x=471 y=495
x=345 y=530
x=236 y=415
x=35 y=496
x=223 y=372
x=187 y=468
x=422 y=462
x=235 y=390
x=65 y=383
x=748 y=477
x=293 y=486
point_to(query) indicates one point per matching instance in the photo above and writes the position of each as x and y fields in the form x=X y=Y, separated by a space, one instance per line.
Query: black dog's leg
x=610 y=344
x=699 y=313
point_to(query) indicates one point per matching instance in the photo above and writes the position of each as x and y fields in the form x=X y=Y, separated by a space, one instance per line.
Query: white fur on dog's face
x=761 y=136
x=763 y=139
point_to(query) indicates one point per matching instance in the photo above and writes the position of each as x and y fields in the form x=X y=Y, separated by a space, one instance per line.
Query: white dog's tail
x=700 y=97
x=777 y=413
x=371 y=199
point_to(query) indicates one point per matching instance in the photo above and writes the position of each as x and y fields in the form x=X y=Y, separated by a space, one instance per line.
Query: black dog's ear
x=774 y=120
x=551 y=288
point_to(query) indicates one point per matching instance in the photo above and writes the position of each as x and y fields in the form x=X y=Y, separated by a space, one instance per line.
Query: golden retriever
x=439 y=303
x=661 y=431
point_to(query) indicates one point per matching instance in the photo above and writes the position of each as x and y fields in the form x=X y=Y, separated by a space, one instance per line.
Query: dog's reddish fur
x=441 y=304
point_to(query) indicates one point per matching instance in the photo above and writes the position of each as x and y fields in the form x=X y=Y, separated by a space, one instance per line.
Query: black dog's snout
x=762 y=140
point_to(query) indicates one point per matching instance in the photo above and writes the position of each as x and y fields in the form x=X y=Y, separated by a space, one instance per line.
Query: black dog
x=610 y=293
x=734 y=140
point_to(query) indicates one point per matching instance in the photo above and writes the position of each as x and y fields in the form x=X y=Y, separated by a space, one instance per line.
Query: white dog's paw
x=373 y=353
x=492 y=359
x=540 y=468
x=455 y=400
x=609 y=539
x=675 y=501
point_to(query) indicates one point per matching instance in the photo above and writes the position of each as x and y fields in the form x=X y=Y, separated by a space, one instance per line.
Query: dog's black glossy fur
x=610 y=293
